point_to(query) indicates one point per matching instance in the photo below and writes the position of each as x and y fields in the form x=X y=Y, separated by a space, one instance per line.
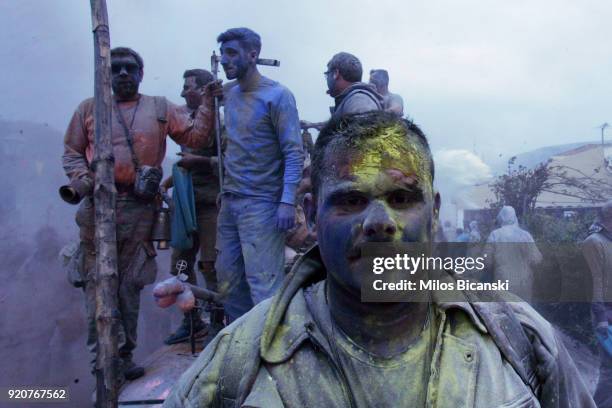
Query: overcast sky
x=492 y=77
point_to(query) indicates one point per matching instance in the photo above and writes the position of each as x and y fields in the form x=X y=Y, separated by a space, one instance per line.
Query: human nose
x=378 y=224
x=123 y=71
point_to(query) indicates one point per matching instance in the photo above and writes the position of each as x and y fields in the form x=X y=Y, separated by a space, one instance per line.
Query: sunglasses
x=130 y=68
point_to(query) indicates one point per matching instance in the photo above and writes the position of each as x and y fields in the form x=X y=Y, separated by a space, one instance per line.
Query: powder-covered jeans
x=250 y=259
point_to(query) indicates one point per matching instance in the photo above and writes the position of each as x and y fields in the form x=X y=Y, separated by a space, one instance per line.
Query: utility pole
x=603 y=128
x=106 y=278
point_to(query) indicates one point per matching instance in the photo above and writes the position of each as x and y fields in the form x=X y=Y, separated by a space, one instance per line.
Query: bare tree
x=594 y=186
x=520 y=187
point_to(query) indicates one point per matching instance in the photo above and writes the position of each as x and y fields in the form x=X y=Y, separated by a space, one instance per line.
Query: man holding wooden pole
x=120 y=142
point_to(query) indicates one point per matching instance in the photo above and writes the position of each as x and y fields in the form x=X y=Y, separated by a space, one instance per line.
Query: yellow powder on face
x=390 y=150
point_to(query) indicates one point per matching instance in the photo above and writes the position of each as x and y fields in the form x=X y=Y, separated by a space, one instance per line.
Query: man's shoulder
x=530 y=320
x=248 y=327
x=596 y=238
x=530 y=317
x=86 y=106
x=275 y=87
x=184 y=109
x=395 y=97
x=360 y=101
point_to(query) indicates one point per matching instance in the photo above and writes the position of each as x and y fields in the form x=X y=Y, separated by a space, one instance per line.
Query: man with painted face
x=392 y=102
x=263 y=160
x=202 y=165
x=316 y=344
x=140 y=124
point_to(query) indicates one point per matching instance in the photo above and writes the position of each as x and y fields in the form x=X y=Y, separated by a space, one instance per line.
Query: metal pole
x=106 y=279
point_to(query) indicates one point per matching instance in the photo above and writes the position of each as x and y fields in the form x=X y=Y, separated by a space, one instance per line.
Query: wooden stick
x=214 y=69
x=204 y=294
x=106 y=277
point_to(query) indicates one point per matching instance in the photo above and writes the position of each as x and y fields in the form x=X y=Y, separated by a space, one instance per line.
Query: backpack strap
x=511 y=338
x=161 y=108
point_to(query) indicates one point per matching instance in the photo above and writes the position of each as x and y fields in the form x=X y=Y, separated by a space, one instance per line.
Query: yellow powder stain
x=390 y=150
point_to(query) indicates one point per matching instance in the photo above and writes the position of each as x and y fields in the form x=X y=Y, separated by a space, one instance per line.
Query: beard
x=237 y=71
x=125 y=89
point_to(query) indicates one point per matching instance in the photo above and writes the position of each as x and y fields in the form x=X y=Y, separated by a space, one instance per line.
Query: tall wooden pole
x=214 y=69
x=106 y=278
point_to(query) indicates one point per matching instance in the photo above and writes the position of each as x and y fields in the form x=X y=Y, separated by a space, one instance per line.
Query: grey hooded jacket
x=513 y=254
x=357 y=98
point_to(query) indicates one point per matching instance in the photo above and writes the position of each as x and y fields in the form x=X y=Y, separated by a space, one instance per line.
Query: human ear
x=436 y=211
x=310 y=209
x=253 y=56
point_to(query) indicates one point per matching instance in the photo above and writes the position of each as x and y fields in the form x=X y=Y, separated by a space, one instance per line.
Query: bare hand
x=213 y=89
x=189 y=161
x=304 y=124
x=285 y=216
x=166 y=185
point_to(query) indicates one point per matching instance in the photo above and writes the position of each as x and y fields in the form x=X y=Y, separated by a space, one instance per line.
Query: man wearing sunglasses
x=139 y=127
x=344 y=84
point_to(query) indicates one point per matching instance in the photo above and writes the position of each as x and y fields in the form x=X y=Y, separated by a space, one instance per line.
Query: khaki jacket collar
x=289 y=322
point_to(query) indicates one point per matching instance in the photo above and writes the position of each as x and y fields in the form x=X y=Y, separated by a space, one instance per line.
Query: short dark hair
x=381 y=73
x=248 y=38
x=346 y=130
x=125 y=51
x=202 y=76
x=348 y=65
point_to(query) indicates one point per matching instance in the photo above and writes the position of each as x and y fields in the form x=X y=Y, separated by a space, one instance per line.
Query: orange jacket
x=150 y=127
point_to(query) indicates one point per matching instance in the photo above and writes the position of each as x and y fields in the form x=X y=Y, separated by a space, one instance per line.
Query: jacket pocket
x=72 y=257
x=142 y=269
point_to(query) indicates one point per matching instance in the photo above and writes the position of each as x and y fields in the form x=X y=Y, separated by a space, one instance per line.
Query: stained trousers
x=250 y=252
x=135 y=265
x=204 y=243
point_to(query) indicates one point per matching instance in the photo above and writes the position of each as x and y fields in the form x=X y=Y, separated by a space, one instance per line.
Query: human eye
x=350 y=202
x=401 y=199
